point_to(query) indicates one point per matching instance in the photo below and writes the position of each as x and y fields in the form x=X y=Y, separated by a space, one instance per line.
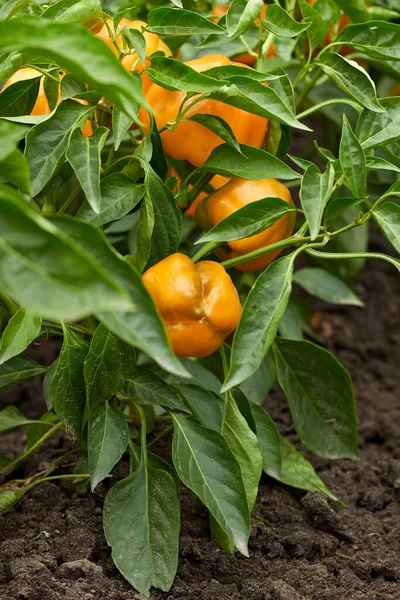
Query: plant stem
x=158 y=437
x=32 y=449
x=316 y=107
x=206 y=249
x=340 y=255
x=8 y=304
x=308 y=87
x=69 y=200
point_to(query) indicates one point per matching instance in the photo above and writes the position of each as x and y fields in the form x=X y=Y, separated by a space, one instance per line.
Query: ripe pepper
x=191 y=141
x=153 y=44
x=233 y=196
x=41 y=106
x=198 y=303
x=246 y=58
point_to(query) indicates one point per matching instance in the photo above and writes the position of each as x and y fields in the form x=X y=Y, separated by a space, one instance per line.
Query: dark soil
x=301 y=548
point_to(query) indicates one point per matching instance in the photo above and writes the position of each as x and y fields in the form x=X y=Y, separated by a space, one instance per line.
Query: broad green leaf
x=387 y=215
x=248 y=220
x=14 y=169
x=326 y=285
x=284 y=89
x=49 y=273
x=155 y=461
x=281 y=460
x=250 y=163
x=317 y=28
x=141 y=523
x=119 y=195
x=280 y=23
x=355 y=9
x=262 y=311
x=175 y=21
x=84 y=156
x=233 y=70
x=18 y=369
x=320 y=395
x=67 y=388
x=378 y=129
x=11 y=418
x=52 y=134
x=241 y=14
x=254 y=97
x=206 y=465
x=108 y=363
x=293 y=322
x=257 y=387
x=351 y=78
x=72 y=11
x=76 y=51
x=244 y=446
x=150 y=388
x=377 y=39
x=204 y=404
x=353 y=161
x=315 y=191
x=338 y=206
x=121 y=122
x=10 y=135
x=203 y=376
x=70 y=87
x=139 y=324
x=21 y=330
x=19 y=98
x=218 y=126
x=108 y=437
x=173 y=74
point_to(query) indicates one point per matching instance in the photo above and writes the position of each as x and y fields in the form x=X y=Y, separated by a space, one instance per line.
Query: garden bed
x=302 y=548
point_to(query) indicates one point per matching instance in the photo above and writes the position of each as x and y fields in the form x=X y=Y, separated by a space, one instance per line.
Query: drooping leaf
x=11 y=418
x=353 y=161
x=326 y=285
x=280 y=23
x=21 y=330
x=387 y=215
x=241 y=14
x=320 y=397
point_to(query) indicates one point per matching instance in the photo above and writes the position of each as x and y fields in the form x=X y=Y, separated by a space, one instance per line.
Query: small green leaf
x=355 y=9
x=338 y=206
x=387 y=215
x=139 y=43
x=315 y=191
x=317 y=28
x=18 y=369
x=152 y=389
x=218 y=126
x=72 y=11
x=173 y=74
x=241 y=14
x=176 y=21
x=21 y=330
x=378 y=129
x=204 y=404
x=248 y=220
x=280 y=23
x=121 y=122
x=320 y=395
x=326 y=285
x=11 y=418
x=376 y=163
x=20 y=97
x=206 y=465
x=108 y=437
x=353 y=161
x=70 y=87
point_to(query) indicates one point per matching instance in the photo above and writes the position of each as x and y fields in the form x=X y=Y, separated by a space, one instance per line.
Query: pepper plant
x=115 y=122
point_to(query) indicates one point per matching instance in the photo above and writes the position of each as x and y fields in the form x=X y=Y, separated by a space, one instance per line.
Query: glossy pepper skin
x=191 y=141
x=131 y=61
x=233 y=196
x=41 y=106
x=198 y=303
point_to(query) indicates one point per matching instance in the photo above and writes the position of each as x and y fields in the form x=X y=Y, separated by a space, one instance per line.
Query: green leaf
x=14 y=169
x=20 y=97
x=202 y=375
x=121 y=123
x=280 y=23
x=152 y=389
x=294 y=321
x=119 y=195
x=70 y=87
x=175 y=21
x=141 y=524
x=173 y=74
x=355 y=9
x=281 y=460
x=70 y=11
x=326 y=285
x=353 y=161
x=262 y=311
x=67 y=388
x=351 y=78
x=108 y=436
x=53 y=133
x=377 y=39
x=21 y=330
x=218 y=126
x=205 y=465
x=51 y=89
x=11 y=418
x=378 y=129
x=84 y=156
x=138 y=42
x=108 y=363
x=375 y=163
x=48 y=378
x=76 y=51
x=254 y=97
x=315 y=191
x=10 y=135
x=338 y=206
x=204 y=404
x=248 y=220
x=139 y=324
x=387 y=215
x=251 y=163
x=18 y=369
x=241 y=14
x=38 y=429
x=320 y=395
x=46 y=271
x=244 y=446
x=317 y=28
x=257 y=387
x=10 y=8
